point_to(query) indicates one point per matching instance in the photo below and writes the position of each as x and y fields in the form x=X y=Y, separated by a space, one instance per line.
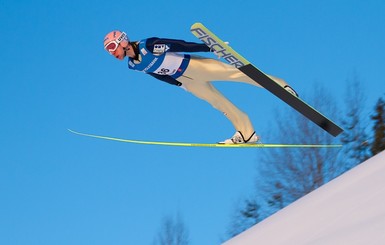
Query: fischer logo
x=218 y=48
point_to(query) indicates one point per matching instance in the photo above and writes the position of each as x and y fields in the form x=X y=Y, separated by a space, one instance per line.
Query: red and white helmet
x=114 y=40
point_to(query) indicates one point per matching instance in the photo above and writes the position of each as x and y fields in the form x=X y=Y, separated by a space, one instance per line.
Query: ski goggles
x=113 y=45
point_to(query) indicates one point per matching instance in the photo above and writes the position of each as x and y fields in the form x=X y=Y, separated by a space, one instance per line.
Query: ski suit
x=165 y=59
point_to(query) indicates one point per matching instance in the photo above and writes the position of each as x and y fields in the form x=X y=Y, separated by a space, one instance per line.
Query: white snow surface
x=348 y=210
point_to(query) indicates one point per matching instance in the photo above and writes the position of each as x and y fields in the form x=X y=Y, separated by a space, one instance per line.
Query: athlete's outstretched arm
x=175 y=45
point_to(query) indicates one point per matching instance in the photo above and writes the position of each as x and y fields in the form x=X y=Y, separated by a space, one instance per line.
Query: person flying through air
x=168 y=60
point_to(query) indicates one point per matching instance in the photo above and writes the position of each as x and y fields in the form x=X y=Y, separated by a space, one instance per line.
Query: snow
x=348 y=210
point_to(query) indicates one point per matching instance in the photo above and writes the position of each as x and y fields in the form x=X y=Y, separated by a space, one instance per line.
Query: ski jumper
x=161 y=58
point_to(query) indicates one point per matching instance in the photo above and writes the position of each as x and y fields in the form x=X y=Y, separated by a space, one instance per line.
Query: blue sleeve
x=161 y=45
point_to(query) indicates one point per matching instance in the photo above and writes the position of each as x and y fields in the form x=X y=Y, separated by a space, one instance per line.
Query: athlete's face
x=119 y=53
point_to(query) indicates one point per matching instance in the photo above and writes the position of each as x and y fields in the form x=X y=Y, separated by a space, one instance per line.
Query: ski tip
x=196 y=24
x=74 y=132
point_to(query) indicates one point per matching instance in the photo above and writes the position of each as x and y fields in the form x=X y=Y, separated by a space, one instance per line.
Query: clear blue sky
x=59 y=188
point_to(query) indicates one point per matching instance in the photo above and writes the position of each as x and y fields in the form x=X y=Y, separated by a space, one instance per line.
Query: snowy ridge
x=348 y=210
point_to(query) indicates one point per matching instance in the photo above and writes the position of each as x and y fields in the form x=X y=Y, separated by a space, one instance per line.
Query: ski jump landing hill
x=348 y=210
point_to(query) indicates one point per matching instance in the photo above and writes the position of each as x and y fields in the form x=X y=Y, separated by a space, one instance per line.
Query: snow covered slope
x=348 y=210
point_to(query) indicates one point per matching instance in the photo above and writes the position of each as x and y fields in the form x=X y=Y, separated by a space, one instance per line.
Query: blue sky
x=59 y=188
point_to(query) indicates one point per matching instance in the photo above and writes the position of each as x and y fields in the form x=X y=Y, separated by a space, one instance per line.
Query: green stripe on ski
x=205 y=144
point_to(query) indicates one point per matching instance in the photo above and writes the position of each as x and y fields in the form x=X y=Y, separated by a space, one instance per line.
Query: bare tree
x=292 y=173
x=286 y=174
x=172 y=232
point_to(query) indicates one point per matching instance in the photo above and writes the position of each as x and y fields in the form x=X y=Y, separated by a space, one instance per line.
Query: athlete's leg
x=206 y=91
x=214 y=70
